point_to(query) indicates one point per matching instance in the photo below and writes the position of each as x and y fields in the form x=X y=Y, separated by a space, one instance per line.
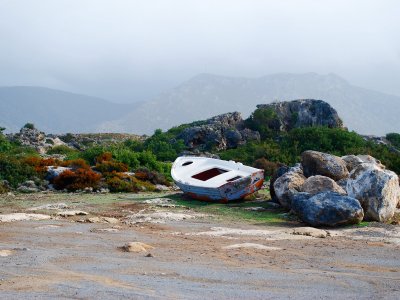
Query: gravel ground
x=65 y=258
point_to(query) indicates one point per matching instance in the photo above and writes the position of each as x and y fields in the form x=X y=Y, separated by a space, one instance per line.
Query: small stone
x=22 y=217
x=4 y=253
x=71 y=213
x=258 y=208
x=310 y=231
x=136 y=247
x=149 y=255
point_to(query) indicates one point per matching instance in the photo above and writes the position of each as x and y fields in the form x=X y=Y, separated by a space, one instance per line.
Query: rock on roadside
x=310 y=231
x=287 y=185
x=317 y=184
x=319 y=163
x=71 y=213
x=327 y=209
x=376 y=189
x=136 y=247
x=22 y=217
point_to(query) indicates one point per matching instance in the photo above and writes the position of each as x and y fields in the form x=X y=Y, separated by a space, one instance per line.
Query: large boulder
x=302 y=113
x=327 y=209
x=377 y=190
x=221 y=132
x=319 y=163
x=278 y=173
x=352 y=161
x=287 y=185
x=317 y=184
x=54 y=171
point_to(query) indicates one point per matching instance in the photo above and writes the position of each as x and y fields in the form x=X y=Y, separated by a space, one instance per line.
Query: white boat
x=214 y=179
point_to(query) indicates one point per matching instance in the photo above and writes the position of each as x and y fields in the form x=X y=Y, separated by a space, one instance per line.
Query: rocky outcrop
x=31 y=137
x=318 y=163
x=327 y=209
x=377 y=190
x=303 y=113
x=288 y=184
x=221 y=132
x=317 y=184
x=325 y=178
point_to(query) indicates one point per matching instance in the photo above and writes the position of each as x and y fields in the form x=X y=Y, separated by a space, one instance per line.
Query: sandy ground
x=202 y=257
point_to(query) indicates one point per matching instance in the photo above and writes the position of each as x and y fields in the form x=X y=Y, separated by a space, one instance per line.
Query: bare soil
x=205 y=257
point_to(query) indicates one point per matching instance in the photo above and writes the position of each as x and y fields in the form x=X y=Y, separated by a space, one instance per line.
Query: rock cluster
x=221 y=132
x=32 y=137
x=326 y=190
x=303 y=113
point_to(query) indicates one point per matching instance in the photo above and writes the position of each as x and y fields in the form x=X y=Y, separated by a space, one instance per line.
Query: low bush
x=76 y=164
x=40 y=164
x=106 y=164
x=63 y=150
x=119 y=182
x=144 y=174
x=14 y=170
x=3 y=188
x=269 y=167
x=73 y=180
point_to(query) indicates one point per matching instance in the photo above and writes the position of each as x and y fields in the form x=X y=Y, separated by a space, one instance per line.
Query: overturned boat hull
x=215 y=180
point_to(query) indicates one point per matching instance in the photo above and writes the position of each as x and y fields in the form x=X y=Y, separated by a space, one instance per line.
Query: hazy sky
x=132 y=50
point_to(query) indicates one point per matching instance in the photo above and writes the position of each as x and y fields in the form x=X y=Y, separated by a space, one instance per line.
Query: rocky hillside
x=206 y=95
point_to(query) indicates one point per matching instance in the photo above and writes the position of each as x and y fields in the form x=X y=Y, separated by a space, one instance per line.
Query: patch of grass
x=363 y=224
x=233 y=210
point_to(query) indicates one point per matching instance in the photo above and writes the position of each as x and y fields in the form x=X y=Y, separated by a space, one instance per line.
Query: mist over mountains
x=203 y=96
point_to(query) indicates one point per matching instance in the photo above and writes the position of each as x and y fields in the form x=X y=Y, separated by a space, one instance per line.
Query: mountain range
x=203 y=96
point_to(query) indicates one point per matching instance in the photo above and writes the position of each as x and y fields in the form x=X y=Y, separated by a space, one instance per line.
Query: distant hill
x=55 y=111
x=206 y=95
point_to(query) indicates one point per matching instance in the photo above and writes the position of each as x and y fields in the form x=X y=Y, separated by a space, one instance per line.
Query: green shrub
x=29 y=126
x=106 y=164
x=3 y=188
x=62 y=149
x=14 y=170
x=394 y=139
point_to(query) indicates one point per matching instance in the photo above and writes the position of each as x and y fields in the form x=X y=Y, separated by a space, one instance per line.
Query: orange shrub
x=78 y=179
x=40 y=164
x=76 y=164
x=106 y=156
x=111 y=166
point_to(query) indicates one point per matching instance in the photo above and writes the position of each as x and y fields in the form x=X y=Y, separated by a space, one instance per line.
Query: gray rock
x=310 y=231
x=302 y=113
x=281 y=170
x=376 y=189
x=161 y=188
x=317 y=184
x=221 y=132
x=288 y=184
x=351 y=161
x=319 y=163
x=53 y=172
x=27 y=190
x=28 y=186
x=327 y=209
x=371 y=160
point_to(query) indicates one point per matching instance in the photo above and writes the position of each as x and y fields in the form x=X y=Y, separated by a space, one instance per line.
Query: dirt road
x=204 y=257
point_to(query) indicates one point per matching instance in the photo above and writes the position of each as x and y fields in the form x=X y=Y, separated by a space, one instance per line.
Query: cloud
x=131 y=50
